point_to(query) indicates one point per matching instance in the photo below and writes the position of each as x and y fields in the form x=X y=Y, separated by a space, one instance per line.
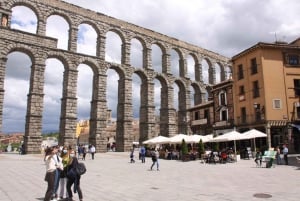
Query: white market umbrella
x=252 y=134
x=177 y=139
x=230 y=136
x=157 y=140
x=196 y=138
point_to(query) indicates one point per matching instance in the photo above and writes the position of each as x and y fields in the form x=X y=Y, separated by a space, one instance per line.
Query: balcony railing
x=250 y=119
x=199 y=122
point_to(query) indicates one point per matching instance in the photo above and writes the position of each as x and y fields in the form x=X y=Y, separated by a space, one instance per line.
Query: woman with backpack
x=73 y=177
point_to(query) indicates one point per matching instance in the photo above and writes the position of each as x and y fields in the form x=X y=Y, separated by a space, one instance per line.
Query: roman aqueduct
x=40 y=47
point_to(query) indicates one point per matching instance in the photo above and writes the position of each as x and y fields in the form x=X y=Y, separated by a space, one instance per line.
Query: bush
x=201 y=148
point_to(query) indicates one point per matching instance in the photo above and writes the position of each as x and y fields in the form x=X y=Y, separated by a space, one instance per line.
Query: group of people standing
x=59 y=162
x=281 y=154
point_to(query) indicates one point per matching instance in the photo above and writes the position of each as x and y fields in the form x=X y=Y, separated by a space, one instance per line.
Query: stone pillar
x=41 y=27
x=166 y=64
x=167 y=112
x=198 y=72
x=147 y=111
x=268 y=132
x=223 y=75
x=183 y=117
x=126 y=53
x=68 y=118
x=101 y=40
x=72 y=43
x=183 y=68
x=3 y=61
x=212 y=73
x=99 y=114
x=33 y=125
x=124 y=135
x=147 y=59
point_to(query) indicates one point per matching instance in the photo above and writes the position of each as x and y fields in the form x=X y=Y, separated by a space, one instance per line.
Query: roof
x=277 y=44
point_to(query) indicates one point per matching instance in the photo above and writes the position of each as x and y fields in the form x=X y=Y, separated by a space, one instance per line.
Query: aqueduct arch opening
x=41 y=47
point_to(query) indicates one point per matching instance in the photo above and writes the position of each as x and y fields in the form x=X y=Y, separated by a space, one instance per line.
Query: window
x=243 y=115
x=223 y=115
x=222 y=98
x=257 y=112
x=276 y=104
x=206 y=115
x=255 y=89
x=241 y=90
x=4 y=20
x=297 y=87
x=240 y=72
x=293 y=60
x=197 y=115
x=298 y=112
x=253 y=66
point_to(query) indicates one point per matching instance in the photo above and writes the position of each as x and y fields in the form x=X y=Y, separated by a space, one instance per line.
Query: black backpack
x=80 y=168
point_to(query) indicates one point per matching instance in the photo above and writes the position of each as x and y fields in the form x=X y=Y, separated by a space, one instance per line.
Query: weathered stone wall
x=40 y=47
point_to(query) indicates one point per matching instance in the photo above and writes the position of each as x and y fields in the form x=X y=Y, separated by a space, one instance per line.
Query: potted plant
x=201 y=150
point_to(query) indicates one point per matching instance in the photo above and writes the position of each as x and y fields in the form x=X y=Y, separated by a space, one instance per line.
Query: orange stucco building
x=266 y=78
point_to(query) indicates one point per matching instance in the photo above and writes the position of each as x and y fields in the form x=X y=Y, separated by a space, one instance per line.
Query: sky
x=226 y=27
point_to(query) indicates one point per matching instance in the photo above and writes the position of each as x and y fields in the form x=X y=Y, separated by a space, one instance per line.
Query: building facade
x=266 y=96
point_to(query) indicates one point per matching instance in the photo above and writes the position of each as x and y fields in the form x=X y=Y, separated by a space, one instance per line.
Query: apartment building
x=267 y=91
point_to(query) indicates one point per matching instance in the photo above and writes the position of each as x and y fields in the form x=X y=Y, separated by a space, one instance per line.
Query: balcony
x=250 y=119
x=224 y=123
x=199 y=122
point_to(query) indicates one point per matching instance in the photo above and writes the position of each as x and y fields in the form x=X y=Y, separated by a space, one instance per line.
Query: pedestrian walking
x=155 y=156
x=143 y=154
x=93 y=150
x=132 y=156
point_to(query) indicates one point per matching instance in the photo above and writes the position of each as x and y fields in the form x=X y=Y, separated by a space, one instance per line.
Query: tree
x=184 y=148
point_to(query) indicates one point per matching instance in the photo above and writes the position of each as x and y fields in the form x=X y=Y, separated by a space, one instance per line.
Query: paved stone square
x=110 y=177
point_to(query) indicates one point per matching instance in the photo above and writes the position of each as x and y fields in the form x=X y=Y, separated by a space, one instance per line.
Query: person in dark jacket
x=73 y=177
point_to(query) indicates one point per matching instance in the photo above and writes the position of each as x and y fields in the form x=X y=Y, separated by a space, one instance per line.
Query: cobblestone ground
x=110 y=177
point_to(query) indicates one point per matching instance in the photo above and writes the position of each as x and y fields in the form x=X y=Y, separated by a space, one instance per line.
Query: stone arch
x=147 y=108
x=60 y=14
x=142 y=52
x=15 y=90
x=34 y=12
x=182 y=117
x=222 y=68
x=83 y=47
x=192 y=70
x=198 y=96
x=162 y=57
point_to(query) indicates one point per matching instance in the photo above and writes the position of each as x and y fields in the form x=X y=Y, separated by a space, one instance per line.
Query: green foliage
x=201 y=147
x=184 y=148
x=215 y=146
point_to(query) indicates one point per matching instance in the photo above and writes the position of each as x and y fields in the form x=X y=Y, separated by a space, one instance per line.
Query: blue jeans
x=157 y=164
x=56 y=181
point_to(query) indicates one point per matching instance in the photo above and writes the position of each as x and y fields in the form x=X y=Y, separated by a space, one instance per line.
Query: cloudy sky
x=226 y=27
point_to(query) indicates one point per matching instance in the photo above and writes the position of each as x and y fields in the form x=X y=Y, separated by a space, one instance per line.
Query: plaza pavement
x=110 y=177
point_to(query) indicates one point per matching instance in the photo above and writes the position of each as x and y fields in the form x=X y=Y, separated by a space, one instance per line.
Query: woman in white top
x=50 y=173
